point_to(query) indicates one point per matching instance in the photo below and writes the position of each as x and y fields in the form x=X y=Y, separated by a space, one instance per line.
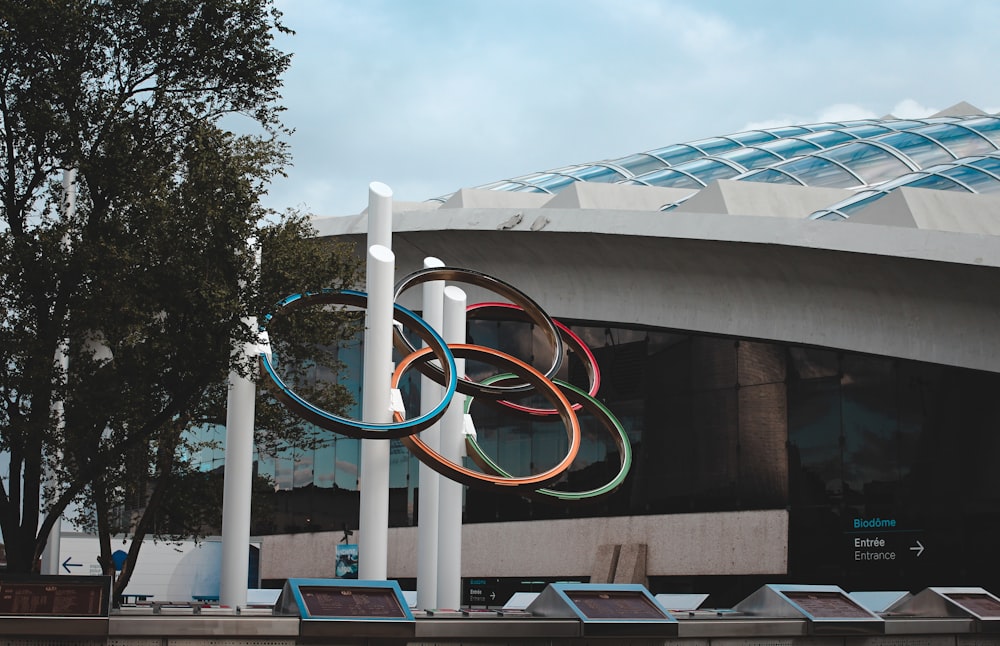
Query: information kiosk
x=974 y=603
x=606 y=609
x=373 y=608
x=70 y=605
x=827 y=608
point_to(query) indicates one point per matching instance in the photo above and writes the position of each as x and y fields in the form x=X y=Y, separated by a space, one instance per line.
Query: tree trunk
x=104 y=535
x=165 y=462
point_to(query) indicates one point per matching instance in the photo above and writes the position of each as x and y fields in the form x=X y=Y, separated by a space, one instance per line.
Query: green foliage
x=145 y=284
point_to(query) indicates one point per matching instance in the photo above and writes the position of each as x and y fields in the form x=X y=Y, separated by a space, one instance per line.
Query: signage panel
x=827 y=608
x=606 y=609
x=828 y=605
x=875 y=541
x=616 y=604
x=980 y=604
x=55 y=596
x=340 y=599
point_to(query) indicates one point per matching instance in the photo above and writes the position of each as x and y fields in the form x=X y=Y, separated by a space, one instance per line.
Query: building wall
x=729 y=543
x=884 y=290
x=857 y=431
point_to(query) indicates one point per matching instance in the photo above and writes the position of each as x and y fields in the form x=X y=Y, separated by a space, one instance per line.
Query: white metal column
x=430 y=395
x=373 y=539
x=452 y=448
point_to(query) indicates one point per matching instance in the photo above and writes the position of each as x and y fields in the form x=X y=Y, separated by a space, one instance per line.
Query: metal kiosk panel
x=878 y=600
x=372 y=608
x=606 y=609
x=974 y=603
x=54 y=605
x=827 y=608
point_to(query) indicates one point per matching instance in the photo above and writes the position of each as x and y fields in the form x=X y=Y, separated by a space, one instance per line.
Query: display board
x=982 y=605
x=344 y=599
x=55 y=596
x=616 y=604
x=621 y=609
x=828 y=605
x=827 y=608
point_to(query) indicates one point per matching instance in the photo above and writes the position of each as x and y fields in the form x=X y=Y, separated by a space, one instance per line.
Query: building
x=798 y=328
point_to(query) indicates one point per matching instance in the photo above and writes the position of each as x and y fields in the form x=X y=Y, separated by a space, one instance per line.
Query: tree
x=143 y=286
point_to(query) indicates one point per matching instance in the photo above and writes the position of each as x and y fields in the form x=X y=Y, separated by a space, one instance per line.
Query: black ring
x=471 y=277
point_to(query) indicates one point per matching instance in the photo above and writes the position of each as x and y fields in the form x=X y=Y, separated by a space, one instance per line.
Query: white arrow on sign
x=918 y=548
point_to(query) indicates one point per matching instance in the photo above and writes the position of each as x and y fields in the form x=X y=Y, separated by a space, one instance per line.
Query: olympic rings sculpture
x=353 y=428
x=518 y=379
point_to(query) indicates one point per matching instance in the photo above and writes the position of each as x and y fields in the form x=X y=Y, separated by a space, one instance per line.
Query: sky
x=429 y=96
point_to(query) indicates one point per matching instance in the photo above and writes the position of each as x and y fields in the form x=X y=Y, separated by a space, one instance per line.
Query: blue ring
x=343 y=425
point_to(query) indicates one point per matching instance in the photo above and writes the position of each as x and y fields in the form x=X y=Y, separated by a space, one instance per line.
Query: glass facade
x=726 y=424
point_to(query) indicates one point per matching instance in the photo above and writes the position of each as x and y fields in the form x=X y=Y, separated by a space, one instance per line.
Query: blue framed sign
x=344 y=600
x=621 y=609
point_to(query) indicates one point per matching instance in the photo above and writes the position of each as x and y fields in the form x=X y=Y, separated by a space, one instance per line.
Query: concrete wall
x=908 y=293
x=749 y=542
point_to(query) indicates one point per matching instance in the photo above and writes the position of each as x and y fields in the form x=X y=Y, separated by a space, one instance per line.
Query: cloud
x=431 y=97
x=910 y=109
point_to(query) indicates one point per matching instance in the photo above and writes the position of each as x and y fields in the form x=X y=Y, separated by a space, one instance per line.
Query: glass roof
x=870 y=156
x=980 y=174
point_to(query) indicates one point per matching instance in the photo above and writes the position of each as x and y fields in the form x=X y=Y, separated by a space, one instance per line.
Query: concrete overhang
x=902 y=292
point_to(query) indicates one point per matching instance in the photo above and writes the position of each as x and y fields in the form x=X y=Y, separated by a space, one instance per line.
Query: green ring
x=594 y=407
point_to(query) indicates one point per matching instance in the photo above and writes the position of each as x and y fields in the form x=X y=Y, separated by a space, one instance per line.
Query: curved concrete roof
x=898 y=291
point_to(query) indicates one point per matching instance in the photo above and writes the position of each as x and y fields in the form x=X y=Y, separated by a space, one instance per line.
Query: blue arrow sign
x=67 y=565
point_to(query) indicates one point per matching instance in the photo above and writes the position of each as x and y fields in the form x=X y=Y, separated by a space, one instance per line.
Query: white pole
x=373 y=542
x=236 y=487
x=373 y=525
x=450 y=492
x=379 y=215
x=430 y=395
x=50 y=555
x=238 y=478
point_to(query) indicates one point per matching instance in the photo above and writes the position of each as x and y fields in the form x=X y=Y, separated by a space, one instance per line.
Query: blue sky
x=432 y=96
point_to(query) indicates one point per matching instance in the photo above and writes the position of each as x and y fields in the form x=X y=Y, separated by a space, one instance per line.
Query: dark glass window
x=722 y=424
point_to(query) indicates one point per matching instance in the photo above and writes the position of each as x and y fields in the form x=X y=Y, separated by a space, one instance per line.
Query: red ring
x=571 y=340
x=467 y=476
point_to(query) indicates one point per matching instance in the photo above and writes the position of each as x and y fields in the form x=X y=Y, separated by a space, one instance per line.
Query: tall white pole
x=236 y=487
x=452 y=443
x=50 y=555
x=373 y=543
x=376 y=400
x=238 y=478
x=430 y=395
